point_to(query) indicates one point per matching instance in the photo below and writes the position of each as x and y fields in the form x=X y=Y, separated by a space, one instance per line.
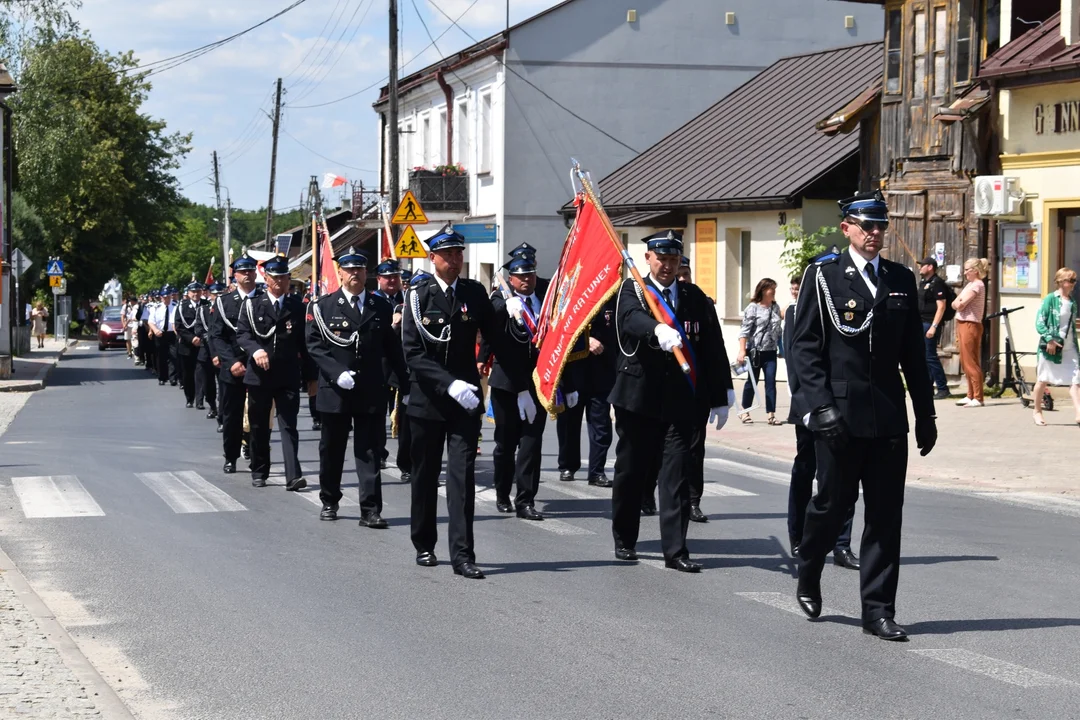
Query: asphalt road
x=198 y=596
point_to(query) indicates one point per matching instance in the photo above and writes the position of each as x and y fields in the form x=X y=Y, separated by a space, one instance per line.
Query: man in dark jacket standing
x=188 y=340
x=349 y=336
x=656 y=403
x=856 y=325
x=271 y=332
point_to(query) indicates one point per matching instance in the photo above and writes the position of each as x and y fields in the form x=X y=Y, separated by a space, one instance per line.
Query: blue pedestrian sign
x=56 y=267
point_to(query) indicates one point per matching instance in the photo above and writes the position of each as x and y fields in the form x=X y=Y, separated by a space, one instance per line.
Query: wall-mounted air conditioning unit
x=998 y=196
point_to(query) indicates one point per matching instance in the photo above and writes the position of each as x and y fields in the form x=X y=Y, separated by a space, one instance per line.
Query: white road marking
x=149 y=447
x=48 y=496
x=993 y=668
x=786 y=602
x=557 y=527
x=719 y=490
x=569 y=490
x=187 y=492
x=24 y=442
x=750 y=471
x=311 y=494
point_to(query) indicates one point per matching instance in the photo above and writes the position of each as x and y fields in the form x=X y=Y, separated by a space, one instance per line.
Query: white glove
x=719 y=415
x=667 y=337
x=345 y=380
x=404 y=399
x=731 y=398
x=526 y=406
x=515 y=307
x=465 y=394
x=571 y=399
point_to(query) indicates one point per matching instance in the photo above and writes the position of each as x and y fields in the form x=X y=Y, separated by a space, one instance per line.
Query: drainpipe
x=440 y=77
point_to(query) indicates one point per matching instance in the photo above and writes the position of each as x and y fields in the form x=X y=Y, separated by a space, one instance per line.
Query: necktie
x=450 y=295
x=356 y=303
x=871 y=274
x=529 y=304
x=277 y=306
x=167 y=314
x=667 y=298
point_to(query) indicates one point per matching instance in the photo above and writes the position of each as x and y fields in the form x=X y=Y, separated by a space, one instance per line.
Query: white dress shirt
x=860 y=264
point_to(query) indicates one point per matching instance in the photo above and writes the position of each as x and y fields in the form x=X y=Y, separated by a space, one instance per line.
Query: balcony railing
x=440 y=193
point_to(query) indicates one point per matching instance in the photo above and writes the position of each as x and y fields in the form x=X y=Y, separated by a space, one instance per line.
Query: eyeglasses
x=869 y=226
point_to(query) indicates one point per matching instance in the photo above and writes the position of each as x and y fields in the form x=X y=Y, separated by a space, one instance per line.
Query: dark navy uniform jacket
x=223 y=343
x=287 y=346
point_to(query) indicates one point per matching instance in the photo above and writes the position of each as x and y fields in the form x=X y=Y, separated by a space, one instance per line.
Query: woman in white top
x=1059 y=361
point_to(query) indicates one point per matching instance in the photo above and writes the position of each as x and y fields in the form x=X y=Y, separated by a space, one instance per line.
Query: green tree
x=95 y=168
x=188 y=251
x=801 y=247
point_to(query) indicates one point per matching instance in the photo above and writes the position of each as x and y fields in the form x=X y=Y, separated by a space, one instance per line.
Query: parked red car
x=111 y=329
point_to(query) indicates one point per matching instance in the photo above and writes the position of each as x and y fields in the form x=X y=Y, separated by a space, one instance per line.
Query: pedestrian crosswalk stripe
x=786 y=602
x=187 y=492
x=50 y=496
x=993 y=668
x=311 y=494
x=719 y=490
x=750 y=471
x=557 y=527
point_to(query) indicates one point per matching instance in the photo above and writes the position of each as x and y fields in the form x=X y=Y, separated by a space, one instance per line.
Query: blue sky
x=324 y=50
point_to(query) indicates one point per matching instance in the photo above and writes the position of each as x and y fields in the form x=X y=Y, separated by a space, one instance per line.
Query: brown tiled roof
x=1039 y=50
x=756 y=145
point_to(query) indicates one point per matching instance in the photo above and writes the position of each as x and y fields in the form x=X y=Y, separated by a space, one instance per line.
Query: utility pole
x=392 y=122
x=217 y=196
x=273 y=162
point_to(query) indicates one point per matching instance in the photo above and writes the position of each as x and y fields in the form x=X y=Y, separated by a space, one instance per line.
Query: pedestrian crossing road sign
x=409 y=212
x=56 y=267
x=409 y=245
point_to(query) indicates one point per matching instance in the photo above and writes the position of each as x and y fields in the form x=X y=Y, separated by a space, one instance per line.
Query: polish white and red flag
x=330 y=180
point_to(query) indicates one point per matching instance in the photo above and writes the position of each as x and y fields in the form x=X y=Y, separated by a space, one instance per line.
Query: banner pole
x=628 y=261
x=316 y=246
x=384 y=210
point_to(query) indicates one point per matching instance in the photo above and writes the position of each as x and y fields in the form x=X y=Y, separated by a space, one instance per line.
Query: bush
x=801 y=248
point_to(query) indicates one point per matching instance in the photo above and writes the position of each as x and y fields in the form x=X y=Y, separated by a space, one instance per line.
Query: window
x=963 y=42
x=485 y=133
x=746 y=281
x=461 y=135
x=425 y=141
x=918 y=76
x=405 y=153
x=941 y=48
x=440 y=159
x=893 y=50
x=992 y=27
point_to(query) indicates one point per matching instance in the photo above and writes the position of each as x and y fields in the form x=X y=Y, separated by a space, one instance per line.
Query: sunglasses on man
x=869 y=226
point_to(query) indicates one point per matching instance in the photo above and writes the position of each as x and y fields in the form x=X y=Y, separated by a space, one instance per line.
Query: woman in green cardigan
x=1059 y=361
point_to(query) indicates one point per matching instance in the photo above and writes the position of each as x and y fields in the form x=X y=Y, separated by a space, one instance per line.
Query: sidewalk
x=31 y=371
x=996 y=448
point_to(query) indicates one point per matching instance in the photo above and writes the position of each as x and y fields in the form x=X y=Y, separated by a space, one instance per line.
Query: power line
x=380 y=82
x=340 y=54
x=323 y=44
x=365 y=170
x=525 y=80
x=314 y=44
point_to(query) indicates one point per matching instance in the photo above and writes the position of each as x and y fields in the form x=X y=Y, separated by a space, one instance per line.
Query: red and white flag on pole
x=210 y=273
x=330 y=180
x=589 y=274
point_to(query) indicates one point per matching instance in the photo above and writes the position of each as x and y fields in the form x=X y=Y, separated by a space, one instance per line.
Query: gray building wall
x=638 y=82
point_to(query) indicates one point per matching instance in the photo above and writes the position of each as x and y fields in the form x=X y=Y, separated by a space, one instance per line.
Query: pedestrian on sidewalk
x=759 y=339
x=933 y=298
x=37 y=322
x=970 y=306
x=1059 y=361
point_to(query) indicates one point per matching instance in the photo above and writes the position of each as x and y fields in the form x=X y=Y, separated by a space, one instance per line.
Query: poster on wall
x=1019 y=254
x=705 y=256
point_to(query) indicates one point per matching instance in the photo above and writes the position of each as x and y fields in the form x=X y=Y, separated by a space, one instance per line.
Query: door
x=907 y=225
x=946 y=216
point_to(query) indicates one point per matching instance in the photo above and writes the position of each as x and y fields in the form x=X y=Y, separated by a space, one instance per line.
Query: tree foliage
x=188 y=252
x=96 y=170
x=801 y=247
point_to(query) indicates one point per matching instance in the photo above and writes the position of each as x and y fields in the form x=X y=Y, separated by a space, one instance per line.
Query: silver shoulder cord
x=413 y=301
x=331 y=337
x=200 y=315
x=823 y=289
x=221 y=312
x=251 y=320
x=180 y=314
x=618 y=300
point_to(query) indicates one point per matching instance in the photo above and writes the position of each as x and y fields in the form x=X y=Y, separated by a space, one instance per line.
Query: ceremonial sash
x=670 y=321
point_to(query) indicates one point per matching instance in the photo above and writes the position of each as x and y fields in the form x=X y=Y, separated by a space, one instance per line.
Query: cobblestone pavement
x=34 y=682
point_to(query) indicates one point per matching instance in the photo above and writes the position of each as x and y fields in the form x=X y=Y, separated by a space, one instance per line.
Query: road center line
x=993 y=668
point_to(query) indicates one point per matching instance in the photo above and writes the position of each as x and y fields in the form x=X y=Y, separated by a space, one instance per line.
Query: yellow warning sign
x=409 y=245
x=409 y=211
x=56 y=281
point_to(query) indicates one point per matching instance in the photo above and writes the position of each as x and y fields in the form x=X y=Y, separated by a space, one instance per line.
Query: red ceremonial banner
x=589 y=274
x=328 y=277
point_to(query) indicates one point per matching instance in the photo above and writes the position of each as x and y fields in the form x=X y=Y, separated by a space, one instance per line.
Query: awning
x=847 y=118
x=968 y=104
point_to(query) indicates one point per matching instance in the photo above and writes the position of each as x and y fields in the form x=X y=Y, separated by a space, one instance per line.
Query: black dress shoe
x=845 y=558
x=683 y=564
x=220 y=428
x=600 y=481
x=809 y=600
x=173 y=383
x=160 y=382
x=245 y=451
x=229 y=467
x=258 y=482
x=426 y=559
x=406 y=477
x=296 y=484
x=329 y=512
x=648 y=510
x=941 y=395
x=372 y=520
x=627 y=554
x=211 y=414
x=504 y=506
x=885 y=629
x=528 y=512
x=566 y=475
x=189 y=405
x=316 y=424
x=469 y=570
x=696 y=515
x=200 y=406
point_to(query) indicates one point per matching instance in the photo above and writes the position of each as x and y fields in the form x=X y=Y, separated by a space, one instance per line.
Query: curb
x=42 y=376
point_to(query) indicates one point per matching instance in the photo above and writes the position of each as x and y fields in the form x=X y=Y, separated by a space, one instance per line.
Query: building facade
x=590 y=80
